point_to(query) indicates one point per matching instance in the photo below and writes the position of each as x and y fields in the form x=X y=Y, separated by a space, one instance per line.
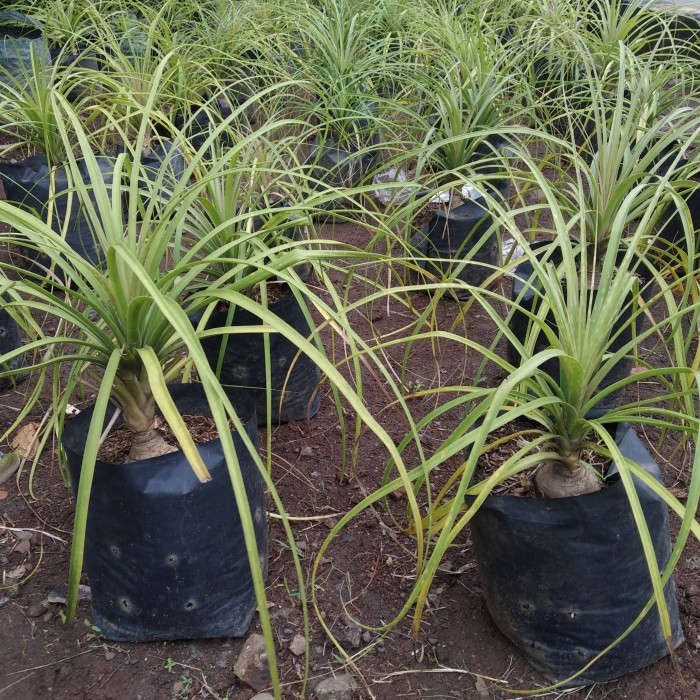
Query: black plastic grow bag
x=460 y=243
x=621 y=332
x=294 y=376
x=167 y=157
x=20 y=37
x=165 y=554
x=29 y=184
x=10 y=340
x=564 y=578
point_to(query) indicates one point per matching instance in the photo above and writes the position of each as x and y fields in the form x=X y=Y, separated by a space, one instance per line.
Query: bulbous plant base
x=556 y=481
x=147 y=444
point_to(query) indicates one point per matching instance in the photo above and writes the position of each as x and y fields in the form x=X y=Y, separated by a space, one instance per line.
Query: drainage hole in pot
x=258 y=514
x=172 y=560
x=527 y=606
x=126 y=604
x=581 y=653
x=571 y=614
x=116 y=553
x=190 y=604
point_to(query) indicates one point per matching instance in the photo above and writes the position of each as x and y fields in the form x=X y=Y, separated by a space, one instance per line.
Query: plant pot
x=20 y=37
x=9 y=341
x=459 y=243
x=165 y=554
x=564 y=578
x=671 y=234
x=239 y=362
x=520 y=322
x=29 y=184
x=337 y=165
x=164 y=154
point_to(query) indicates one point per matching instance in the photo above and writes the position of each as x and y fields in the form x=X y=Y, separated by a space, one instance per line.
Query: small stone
x=298 y=645
x=59 y=595
x=366 y=637
x=251 y=665
x=399 y=493
x=693 y=563
x=301 y=546
x=287 y=631
x=47 y=616
x=343 y=687
x=109 y=655
x=353 y=634
x=318 y=650
x=693 y=590
x=37 y=609
x=307 y=451
x=263 y=696
x=5 y=600
x=221 y=663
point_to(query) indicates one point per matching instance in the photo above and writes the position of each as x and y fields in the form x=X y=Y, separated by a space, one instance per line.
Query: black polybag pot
x=20 y=37
x=164 y=554
x=241 y=367
x=29 y=184
x=621 y=333
x=336 y=165
x=10 y=340
x=164 y=155
x=671 y=233
x=464 y=236
x=563 y=578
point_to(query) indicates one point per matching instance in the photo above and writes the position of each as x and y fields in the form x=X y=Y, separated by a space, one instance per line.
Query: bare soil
x=363 y=582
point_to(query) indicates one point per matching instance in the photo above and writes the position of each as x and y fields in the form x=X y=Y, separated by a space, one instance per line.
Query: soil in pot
x=564 y=578
x=164 y=554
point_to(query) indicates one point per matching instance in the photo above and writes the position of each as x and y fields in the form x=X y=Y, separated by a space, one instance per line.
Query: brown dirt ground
x=366 y=574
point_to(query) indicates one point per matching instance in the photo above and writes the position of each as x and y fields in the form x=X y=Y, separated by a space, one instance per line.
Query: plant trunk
x=557 y=481
x=148 y=443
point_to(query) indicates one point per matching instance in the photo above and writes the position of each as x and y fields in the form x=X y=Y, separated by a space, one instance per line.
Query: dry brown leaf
x=25 y=440
x=17 y=572
x=3 y=495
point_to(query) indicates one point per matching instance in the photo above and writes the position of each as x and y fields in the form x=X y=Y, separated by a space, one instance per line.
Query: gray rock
x=251 y=665
x=37 y=609
x=298 y=645
x=343 y=687
x=263 y=696
x=353 y=634
x=58 y=595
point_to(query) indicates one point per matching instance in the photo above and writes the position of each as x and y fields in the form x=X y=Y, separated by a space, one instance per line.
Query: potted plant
x=42 y=181
x=129 y=339
x=610 y=199
x=125 y=332
x=338 y=66
x=578 y=576
x=470 y=98
x=240 y=210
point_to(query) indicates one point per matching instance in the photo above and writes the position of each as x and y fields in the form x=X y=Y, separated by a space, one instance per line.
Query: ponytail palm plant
x=124 y=329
